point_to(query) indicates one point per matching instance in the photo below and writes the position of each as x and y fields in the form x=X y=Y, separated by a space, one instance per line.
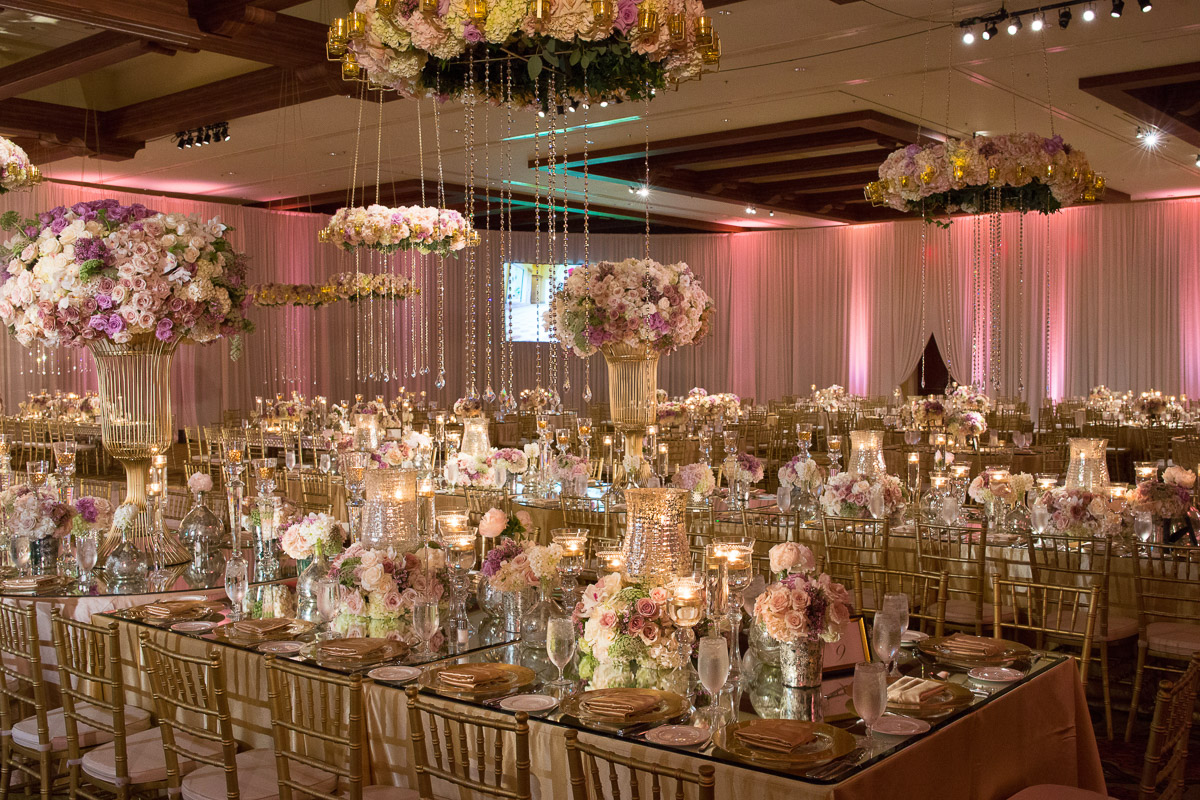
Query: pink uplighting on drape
x=793 y=308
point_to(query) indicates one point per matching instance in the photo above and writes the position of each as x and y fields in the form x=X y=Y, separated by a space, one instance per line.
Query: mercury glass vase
x=389 y=517
x=43 y=555
x=475 y=437
x=632 y=394
x=512 y=609
x=134 y=382
x=800 y=663
x=655 y=549
x=1087 y=464
x=866 y=454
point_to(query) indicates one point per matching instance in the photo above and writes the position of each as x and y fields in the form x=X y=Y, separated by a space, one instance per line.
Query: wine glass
x=912 y=437
x=870 y=694
x=563 y=437
x=237 y=577
x=949 y=510
x=1143 y=525
x=875 y=502
x=289 y=459
x=426 y=623
x=329 y=595
x=713 y=666
x=885 y=636
x=85 y=559
x=897 y=605
x=324 y=464
x=560 y=646
x=1039 y=518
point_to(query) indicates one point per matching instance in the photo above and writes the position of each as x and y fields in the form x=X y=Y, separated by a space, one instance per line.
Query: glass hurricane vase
x=536 y=619
x=306 y=585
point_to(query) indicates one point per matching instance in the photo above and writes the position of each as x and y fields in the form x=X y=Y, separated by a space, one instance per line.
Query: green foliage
x=9 y=220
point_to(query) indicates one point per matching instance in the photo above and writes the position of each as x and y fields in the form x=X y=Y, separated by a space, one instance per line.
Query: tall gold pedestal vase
x=632 y=398
x=135 y=401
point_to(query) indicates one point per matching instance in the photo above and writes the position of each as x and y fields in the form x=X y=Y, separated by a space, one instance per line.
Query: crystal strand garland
x=994 y=291
x=646 y=158
x=537 y=229
x=562 y=354
x=1046 y=309
x=1021 y=304
x=358 y=347
x=587 y=256
x=489 y=394
x=924 y=229
x=469 y=167
x=379 y=352
x=506 y=225
x=551 y=228
x=440 y=383
x=975 y=354
x=421 y=321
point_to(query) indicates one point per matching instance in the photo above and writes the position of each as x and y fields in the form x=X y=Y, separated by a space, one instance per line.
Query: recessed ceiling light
x=333 y=154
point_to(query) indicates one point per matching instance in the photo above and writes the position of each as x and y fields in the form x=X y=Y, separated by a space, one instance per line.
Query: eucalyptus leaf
x=535 y=67
x=551 y=59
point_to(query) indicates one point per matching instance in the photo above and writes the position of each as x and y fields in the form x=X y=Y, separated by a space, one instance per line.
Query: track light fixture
x=989 y=30
x=1014 y=25
x=1089 y=13
x=751 y=210
x=1145 y=5
x=206 y=134
x=1118 y=8
x=1064 y=18
x=968 y=36
x=1039 y=21
x=1013 y=19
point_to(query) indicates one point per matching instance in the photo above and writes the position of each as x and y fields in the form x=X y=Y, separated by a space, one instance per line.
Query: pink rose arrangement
x=986 y=489
x=425 y=229
x=384 y=585
x=37 y=513
x=470 y=470
x=311 y=535
x=966 y=423
x=789 y=557
x=710 y=406
x=633 y=302
x=965 y=397
x=1179 y=476
x=16 y=170
x=745 y=469
x=849 y=495
x=534 y=399
x=623 y=634
x=1151 y=404
x=514 y=461
x=1080 y=514
x=468 y=407
x=1160 y=498
x=670 y=412
x=496 y=523
x=695 y=478
x=513 y=566
x=800 y=472
x=200 y=482
x=803 y=607
x=928 y=412
x=402 y=452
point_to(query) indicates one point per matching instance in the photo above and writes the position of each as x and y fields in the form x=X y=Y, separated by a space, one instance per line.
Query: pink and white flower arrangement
x=965 y=397
x=623 y=634
x=695 y=478
x=1151 y=404
x=802 y=607
x=1179 y=476
x=513 y=566
x=312 y=535
x=789 y=557
x=16 y=170
x=1101 y=398
x=709 y=406
x=468 y=407
x=745 y=469
x=101 y=270
x=384 y=585
x=1160 y=498
x=534 y=399
x=670 y=412
x=966 y=423
x=466 y=469
x=637 y=303
x=568 y=468
x=1080 y=514
x=800 y=472
x=496 y=523
x=985 y=489
x=849 y=495
x=831 y=398
x=928 y=412
x=200 y=482
x=403 y=452
x=514 y=461
x=36 y=514
x=422 y=228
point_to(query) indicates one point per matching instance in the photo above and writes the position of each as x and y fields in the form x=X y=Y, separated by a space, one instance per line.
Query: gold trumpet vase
x=632 y=394
x=135 y=393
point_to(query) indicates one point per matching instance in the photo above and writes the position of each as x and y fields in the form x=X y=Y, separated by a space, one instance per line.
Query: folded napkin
x=260 y=627
x=472 y=676
x=779 y=735
x=171 y=608
x=912 y=691
x=30 y=582
x=617 y=703
x=960 y=644
x=352 y=648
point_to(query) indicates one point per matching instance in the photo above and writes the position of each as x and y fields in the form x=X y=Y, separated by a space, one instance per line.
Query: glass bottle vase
x=536 y=620
x=306 y=585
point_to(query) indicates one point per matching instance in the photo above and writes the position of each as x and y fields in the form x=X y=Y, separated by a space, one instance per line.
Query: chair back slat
x=1165 y=769
x=850 y=541
x=584 y=760
x=1167 y=583
x=962 y=553
x=927 y=592
x=1047 y=611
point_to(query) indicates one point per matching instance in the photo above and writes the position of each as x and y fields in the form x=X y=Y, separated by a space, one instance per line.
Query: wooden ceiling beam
x=823 y=183
x=72 y=60
x=1127 y=91
x=161 y=20
x=835 y=162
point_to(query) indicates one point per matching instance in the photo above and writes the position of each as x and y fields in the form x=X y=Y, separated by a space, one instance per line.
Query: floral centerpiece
x=384 y=585
x=37 y=515
x=313 y=535
x=513 y=461
x=466 y=469
x=800 y=473
x=671 y=412
x=421 y=228
x=92 y=515
x=534 y=399
x=695 y=478
x=343 y=287
x=928 y=412
x=713 y=405
x=849 y=495
x=800 y=611
x=1151 y=404
x=985 y=489
x=962 y=423
x=571 y=471
x=1182 y=477
x=622 y=635
x=468 y=407
x=1028 y=173
x=1078 y=513
x=102 y=270
x=422 y=48
x=496 y=523
x=831 y=398
x=403 y=452
x=745 y=469
x=1101 y=398
x=1163 y=500
x=16 y=170
x=965 y=397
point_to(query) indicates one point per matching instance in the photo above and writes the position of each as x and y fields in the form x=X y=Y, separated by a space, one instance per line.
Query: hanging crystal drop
x=424 y=370
x=387 y=377
x=441 y=381
x=414 y=373
x=489 y=395
x=567 y=384
x=556 y=401
x=587 y=393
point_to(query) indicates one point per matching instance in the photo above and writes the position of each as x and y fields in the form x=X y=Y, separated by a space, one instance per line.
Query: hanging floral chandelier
x=16 y=172
x=343 y=287
x=600 y=50
x=1016 y=172
x=427 y=230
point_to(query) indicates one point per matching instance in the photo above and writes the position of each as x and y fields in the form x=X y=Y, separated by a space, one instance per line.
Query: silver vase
x=43 y=555
x=512 y=608
x=800 y=663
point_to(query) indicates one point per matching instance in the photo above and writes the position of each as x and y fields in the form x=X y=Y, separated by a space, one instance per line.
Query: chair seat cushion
x=1176 y=638
x=25 y=732
x=389 y=793
x=146 y=762
x=1119 y=627
x=257 y=778
x=963 y=611
x=1048 y=791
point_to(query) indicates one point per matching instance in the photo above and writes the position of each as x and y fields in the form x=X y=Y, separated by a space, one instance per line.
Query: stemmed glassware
x=886 y=631
x=583 y=427
x=234 y=454
x=459 y=541
x=560 y=646
x=685 y=607
x=329 y=594
x=713 y=666
x=237 y=580
x=562 y=436
x=85 y=558
x=6 y=476
x=354 y=473
x=64 y=462
x=897 y=605
x=870 y=695
x=573 y=542
x=804 y=435
x=426 y=623
x=735 y=553
x=264 y=473
x=835 y=453
x=36 y=472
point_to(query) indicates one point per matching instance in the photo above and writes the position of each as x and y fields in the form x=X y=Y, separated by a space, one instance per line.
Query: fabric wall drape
x=1101 y=294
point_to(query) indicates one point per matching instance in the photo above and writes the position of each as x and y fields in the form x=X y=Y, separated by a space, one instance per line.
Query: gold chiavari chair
x=213 y=436
x=96 y=488
x=319 y=723
x=92 y=685
x=178 y=501
x=527 y=425
x=767 y=529
x=1069 y=561
x=316 y=488
x=29 y=748
x=848 y=541
x=462 y=753
x=701 y=527
x=195 y=444
x=962 y=553
x=592 y=515
x=1047 y=611
x=481 y=501
x=584 y=765
x=927 y=593
x=1186 y=451
x=1158 y=444
x=193 y=715
x=1167 y=586
x=256 y=442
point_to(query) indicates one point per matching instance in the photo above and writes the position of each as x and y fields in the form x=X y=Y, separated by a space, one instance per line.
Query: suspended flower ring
x=1017 y=172
x=626 y=48
x=428 y=230
x=345 y=286
x=16 y=171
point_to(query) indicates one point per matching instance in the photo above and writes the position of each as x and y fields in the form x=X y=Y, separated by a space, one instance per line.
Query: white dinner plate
x=897 y=725
x=910 y=638
x=198 y=598
x=996 y=674
x=395 y=674
x=280 y=648
x=532 y=703
x=677 y=735
x=195 y=626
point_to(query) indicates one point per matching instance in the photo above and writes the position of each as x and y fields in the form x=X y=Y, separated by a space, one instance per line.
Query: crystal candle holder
x=655 y=548
x=686 y=608
x=610 y=560
x=573 y=542
x=389 y=516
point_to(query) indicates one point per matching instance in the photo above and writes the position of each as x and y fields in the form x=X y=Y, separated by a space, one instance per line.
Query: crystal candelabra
x=835 y=454
x=439 y=446
x=573 y=542
x=235 y=453
x=459 y=540
x=354 y=473
x=804 y=435
x=736 y=554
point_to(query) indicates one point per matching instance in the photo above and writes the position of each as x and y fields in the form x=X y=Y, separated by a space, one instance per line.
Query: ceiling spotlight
x=179 y=144
x=989 y=31
x=643 y=191
x=772 y=213
x=1014 y=25
x=1150 y=138
x=604 y=104
x=751 y=210
x=1198 y=159
x=1038 y=22
x=968 y=36
x=1089 y=13
x=225 y=133
x=1064 y=18
x=1145 y=5
x=1118 y=8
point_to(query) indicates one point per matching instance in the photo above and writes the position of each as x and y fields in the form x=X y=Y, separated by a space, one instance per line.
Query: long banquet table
x=1037 y=731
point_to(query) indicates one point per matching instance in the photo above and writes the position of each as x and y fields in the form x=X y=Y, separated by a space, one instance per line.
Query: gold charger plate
x=953 y=697
x=199 y=612
x=669 y=705
x=13 y=585
x=389 y=650
x=830 y=743
x=298 y=627
x=1012 y=651
x=517 y=678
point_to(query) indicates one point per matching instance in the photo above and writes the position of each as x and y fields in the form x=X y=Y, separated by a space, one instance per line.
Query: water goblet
x=425 y=624
x=289 y=459
x=36 y=472
x=870 y=695
x=713 y=666
x=237 y=579
x=896 y=604
x=1039 y=518
x=85 y=559
x=885 y=636
x=329 y=595
x=560 y=646
x=1143 y=525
